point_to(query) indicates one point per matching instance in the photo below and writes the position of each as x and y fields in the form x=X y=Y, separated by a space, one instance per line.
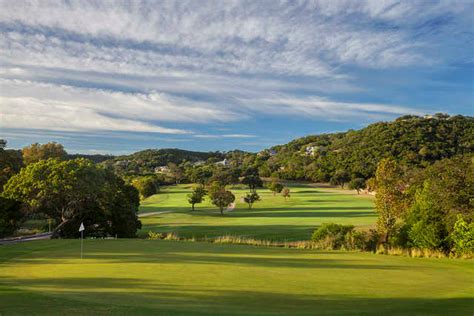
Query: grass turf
x=272 y=218
x=131 y=277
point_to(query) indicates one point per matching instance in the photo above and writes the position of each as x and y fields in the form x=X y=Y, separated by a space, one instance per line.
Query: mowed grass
x=272 y=218
x=134 y=277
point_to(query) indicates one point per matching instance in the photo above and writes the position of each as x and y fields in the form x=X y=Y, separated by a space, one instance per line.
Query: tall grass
x=324 y=244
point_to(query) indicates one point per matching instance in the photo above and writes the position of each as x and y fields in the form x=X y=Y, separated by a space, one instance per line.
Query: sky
x=121 y=76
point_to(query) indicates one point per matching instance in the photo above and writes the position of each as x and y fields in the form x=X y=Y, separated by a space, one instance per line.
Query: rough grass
x=272 y=218
x=134 y=277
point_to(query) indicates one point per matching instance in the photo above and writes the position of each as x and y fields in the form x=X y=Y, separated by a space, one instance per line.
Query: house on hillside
x=162 y=169
x=224 y=163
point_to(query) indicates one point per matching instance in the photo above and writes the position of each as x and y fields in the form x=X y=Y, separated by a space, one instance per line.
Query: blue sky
x=121 y=76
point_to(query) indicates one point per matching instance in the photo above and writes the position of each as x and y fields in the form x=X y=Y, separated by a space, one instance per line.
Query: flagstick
x=82 y=235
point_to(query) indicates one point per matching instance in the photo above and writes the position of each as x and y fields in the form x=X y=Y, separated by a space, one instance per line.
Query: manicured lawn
x=132 y=277
x=271 y=218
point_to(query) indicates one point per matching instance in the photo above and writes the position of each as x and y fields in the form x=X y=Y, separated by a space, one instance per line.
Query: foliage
x=463 y=237
x=10 y=216
x=75 y=191
x=357 y=184
x=389 y=200
x=225 y=176
x=410 y=140
x=220 y=197
x=275 y=187
x=333 y=234
x=154 y=236
x=253 y=182
x=145 y=162
x=36 y=152
x=146 y=186
x=11 y=161
x=340 y=177
x=197 y=196
x=251 y=198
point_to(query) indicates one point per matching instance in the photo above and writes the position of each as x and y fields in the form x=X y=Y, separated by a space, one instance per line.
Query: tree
x=285 y=192
x=75 y=191
x=36 y=152
x=220 y=197
x=253 y=182
x=177 y=172
x=197 y=196
x=438 y=196
x=357 y=184
x=463 y=237
x=275 y=187
x=389 y=200
x=11 y=162
x=225 y=176
x=340 y=177
x=10 y=216
x=200 y=175
x=146 y=186
x=251 y=198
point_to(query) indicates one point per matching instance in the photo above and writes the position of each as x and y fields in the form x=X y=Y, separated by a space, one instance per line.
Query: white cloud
x=26 y=104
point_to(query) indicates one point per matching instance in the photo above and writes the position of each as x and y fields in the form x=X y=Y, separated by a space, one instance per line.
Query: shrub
x=154 y=236
x=332 y=236
x=463 y=237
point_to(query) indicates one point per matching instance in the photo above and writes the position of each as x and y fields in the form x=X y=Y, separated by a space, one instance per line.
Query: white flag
x=81 y=228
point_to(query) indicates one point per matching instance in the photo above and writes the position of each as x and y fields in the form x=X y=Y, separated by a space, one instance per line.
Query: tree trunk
x=222 y=210
x=192 y=206
x=55 y=231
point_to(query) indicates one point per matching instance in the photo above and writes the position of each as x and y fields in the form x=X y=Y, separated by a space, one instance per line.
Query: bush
x=332 y=236
x=463 y=237
x=154 y=236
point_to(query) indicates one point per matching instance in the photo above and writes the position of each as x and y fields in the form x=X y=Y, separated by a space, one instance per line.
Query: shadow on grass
x=111 y=296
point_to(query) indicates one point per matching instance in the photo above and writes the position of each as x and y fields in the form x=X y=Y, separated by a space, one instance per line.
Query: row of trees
x=216 y=184
x=431 y=208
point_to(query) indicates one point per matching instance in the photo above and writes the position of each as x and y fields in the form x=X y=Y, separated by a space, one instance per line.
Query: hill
x=415 y=141
x=146 y=161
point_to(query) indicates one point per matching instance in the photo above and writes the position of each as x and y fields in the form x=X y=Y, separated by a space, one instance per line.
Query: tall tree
x=390 y=202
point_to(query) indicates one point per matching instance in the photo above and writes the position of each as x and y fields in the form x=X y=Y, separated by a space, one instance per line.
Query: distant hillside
x=95 y=158
x=147 y=160
x=412 y=140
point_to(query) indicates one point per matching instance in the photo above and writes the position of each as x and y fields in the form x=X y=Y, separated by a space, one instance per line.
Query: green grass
x=132 y=277
x=272 y=218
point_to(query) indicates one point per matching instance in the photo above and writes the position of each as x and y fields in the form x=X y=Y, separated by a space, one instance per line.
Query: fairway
x=124 y=277
x=272 y=218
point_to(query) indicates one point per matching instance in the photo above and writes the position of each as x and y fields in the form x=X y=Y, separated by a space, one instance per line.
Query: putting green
x=272 y=218
x=133 y=277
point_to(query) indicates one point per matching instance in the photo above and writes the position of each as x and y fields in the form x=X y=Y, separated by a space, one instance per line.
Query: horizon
x=117 y=79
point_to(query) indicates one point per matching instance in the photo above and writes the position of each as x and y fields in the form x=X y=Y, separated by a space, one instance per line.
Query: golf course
x=163 y=277
x=273 y=218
